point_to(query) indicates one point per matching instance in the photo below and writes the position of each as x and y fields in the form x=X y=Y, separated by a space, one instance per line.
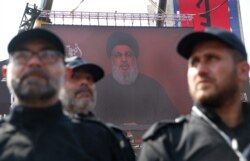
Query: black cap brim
x=35 y=34
x=186 y=45
x=93 y=69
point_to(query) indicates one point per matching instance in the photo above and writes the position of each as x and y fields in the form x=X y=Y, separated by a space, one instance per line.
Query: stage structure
x=115 y=19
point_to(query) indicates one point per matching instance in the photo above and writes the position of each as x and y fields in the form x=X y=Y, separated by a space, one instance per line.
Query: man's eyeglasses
x=45 y=56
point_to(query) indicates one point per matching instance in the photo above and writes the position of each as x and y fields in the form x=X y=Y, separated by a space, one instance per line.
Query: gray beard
x=125 y=78
x=73 y=106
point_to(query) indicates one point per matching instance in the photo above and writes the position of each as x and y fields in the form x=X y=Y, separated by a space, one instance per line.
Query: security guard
x=104 y=142
x=218 y=127
x=36 y=128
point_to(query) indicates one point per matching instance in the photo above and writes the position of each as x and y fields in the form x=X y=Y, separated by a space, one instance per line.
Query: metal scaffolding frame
x=31 y=13
x=115 y=19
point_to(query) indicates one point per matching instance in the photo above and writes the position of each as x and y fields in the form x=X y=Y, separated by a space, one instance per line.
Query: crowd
x=52 y=118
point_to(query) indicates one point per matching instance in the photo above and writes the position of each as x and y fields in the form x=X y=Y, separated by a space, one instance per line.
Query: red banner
x=206 y=13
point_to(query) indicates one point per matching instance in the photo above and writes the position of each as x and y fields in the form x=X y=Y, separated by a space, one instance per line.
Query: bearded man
x=127 y=96
x=36 y=128
x=102 y=141
x=218 y=127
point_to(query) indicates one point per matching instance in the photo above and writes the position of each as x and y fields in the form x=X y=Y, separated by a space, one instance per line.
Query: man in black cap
x=103 y=142
x=128 y=97
x=78 y=93
x=36 y=128
x=218 y=127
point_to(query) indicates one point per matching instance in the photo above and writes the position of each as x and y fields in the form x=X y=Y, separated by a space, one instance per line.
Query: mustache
x=37 y=71
x=83 y=88
x=124 y=63
x=205 y=78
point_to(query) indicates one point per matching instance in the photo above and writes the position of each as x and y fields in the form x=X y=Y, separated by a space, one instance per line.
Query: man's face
x=79 y=94
x=124 y=65
x=213 y=75
x=35 y=78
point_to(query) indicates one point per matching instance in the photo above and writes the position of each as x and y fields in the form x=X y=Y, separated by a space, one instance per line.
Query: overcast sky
x=11 y=12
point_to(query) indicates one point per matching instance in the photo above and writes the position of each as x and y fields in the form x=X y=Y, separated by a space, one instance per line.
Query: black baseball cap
x=75 y=62
x=187 y=43
x=121 y=38
x=35 y=34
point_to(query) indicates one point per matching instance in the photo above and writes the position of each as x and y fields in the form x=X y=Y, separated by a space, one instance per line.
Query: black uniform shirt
x=197 y=138
x=31 y=134
x=103 y=142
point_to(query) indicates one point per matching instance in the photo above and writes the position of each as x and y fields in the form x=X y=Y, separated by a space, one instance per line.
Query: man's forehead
x=122 y=46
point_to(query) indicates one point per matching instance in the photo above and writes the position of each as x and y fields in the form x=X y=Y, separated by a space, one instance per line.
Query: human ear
x=243 y=70
x=4 y=72
x=68 y=73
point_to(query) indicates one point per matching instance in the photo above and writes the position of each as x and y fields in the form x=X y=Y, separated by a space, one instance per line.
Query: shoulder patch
x=119 y=134
x=115 y=128
x=155 y=128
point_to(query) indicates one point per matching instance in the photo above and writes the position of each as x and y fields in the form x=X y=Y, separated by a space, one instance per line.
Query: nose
x=124 y=58
x=202 y=69
x=34 y=61
x=83 y=82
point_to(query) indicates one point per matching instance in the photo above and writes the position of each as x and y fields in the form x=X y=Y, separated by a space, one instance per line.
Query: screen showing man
x=126 y=93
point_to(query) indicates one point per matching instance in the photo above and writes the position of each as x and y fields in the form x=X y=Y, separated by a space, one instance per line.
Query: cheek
x=57 y=70
x=131 y=61
x=13 y=72
x=69 y=89
x=191 y=74
x=93 y=87
x=73 y=85
x=222 y=73
x=115 y=61
x=57 y=74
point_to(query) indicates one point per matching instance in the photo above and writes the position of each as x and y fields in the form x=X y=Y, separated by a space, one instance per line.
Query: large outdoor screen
x=145 y=79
